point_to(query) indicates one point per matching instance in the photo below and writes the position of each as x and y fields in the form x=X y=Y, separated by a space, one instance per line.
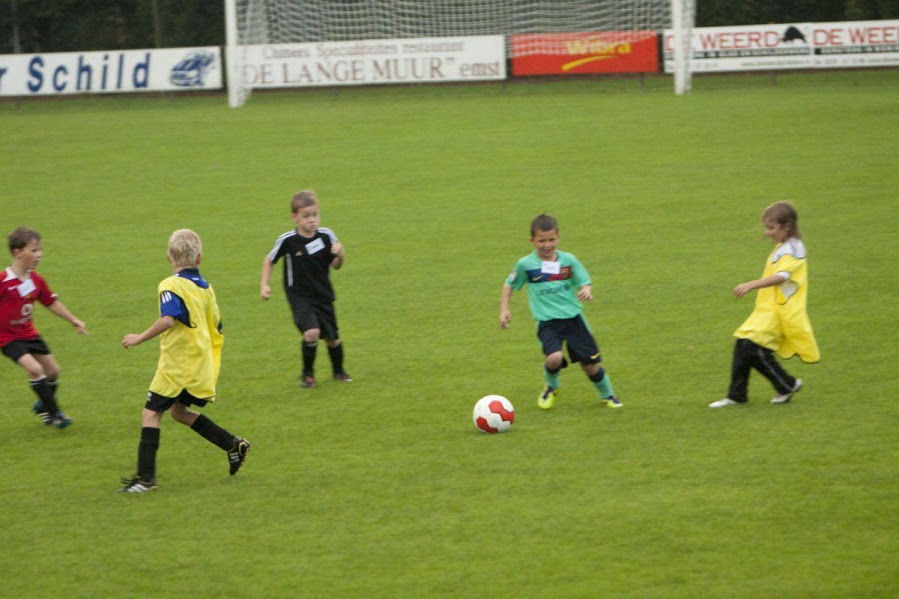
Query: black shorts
x=309 y=314
x=161 y=403
x=574 y=333
x=18 y=348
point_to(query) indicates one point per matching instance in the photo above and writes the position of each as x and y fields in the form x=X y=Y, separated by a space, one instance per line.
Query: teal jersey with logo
x=552 y=286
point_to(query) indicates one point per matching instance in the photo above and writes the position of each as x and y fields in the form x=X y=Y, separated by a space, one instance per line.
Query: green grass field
x=383 y=488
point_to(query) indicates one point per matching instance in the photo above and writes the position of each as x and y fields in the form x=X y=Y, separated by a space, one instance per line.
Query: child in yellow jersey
x=191 y=341
x=779 y=323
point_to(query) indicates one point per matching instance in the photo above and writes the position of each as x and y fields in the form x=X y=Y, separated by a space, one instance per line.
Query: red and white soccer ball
x=493 y=414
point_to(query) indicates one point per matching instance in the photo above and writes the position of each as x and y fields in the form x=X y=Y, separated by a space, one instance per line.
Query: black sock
x=44 y=391
x=336 y=354
x=146 y=453
x=309 y=357
x=212 y=432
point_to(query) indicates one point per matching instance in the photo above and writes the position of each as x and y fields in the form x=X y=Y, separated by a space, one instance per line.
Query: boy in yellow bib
x=779 y=323
x=191 y=342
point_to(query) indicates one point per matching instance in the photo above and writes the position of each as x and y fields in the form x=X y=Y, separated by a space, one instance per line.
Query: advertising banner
x=363 y=62
x=577 y=53
x=791 y=46
x=855 y=44
x=172 y=69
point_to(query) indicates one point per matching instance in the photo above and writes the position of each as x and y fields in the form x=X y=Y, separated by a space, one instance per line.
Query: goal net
x=266 y=22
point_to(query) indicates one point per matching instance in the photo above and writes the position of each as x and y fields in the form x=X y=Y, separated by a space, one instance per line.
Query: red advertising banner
x=577 y=53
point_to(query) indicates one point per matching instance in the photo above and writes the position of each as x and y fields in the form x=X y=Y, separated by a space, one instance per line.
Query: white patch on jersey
x=550 y=268
x=314 y=246
x=26 y=287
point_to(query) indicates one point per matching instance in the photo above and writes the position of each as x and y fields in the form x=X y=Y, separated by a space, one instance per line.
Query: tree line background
x=32 y=26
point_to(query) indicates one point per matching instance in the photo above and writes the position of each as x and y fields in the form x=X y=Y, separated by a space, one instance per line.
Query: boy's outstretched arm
x=161 y=325
x=505 y=315
x=264 y=289
x=60 y=310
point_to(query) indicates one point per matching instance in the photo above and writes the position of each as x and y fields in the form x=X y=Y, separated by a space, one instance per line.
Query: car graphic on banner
x=191 y=71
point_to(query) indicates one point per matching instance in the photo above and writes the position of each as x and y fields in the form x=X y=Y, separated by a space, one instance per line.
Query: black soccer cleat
x=343 y=376
x=42 y=413
x=59 y=420
x=237 y=455
x=136 y=485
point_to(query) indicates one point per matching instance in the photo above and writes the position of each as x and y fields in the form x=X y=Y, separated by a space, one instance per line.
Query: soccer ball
x=493 y=414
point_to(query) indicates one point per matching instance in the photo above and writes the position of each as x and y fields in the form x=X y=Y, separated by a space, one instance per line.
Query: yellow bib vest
x=779 y=320
x=190 y=356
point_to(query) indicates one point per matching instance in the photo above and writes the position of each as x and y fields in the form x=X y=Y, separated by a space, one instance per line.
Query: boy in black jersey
x=309 y=252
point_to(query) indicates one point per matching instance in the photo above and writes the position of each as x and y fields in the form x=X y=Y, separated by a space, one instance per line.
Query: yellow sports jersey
x=190 y=354
x=779 y=320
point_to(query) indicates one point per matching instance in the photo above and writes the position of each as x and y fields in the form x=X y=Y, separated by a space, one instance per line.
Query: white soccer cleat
x=788 y=396
x=721 y=403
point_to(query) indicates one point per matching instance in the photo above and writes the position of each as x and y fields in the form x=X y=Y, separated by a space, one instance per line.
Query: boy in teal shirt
x=557 y=284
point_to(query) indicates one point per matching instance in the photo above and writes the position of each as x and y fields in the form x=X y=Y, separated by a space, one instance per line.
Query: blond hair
x=185 y=248
x=303 y=199
x=784 y=214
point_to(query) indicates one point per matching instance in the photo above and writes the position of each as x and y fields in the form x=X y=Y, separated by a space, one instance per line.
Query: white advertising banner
x=791 y=46
x=855 y=44
x=428 y=60
x=113 y=71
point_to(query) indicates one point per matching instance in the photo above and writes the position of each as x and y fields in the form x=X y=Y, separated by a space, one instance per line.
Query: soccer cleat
x=136 y=485
x=43 y=414
x=612 y=402
x=238 y=454
x=721 y=403
x=547 y=398
x=59 y=420
x=307 y=381
x=788 y=396
x=343 y=377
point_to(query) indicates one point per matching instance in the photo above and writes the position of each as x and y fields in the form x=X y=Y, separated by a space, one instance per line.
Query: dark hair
x=21 y=237
x=303 y=199
x=784 y=214
x=544 y=222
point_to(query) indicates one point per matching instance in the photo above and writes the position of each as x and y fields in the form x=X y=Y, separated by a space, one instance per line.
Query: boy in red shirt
x=20 y=287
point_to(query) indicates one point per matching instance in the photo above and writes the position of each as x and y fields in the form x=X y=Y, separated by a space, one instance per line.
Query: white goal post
x=267 y=22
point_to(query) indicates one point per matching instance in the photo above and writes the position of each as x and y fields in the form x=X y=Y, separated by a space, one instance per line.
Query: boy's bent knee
x=183 y=414
x=34 y=369
x=312 y=335
x=35 y=373
x=150 y=418
x=595 y=372
x=554 y=360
